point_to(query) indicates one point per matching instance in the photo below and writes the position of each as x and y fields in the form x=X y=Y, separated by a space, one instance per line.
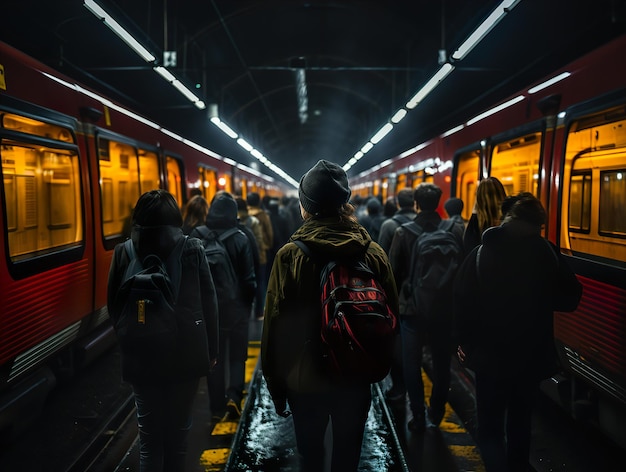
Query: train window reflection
x=594 y=196
x=516 y=164
x=125 y=173
x=42 y=198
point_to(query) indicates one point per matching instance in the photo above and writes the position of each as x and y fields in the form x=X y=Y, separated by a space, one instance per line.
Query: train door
x=515 y=162
x=174 y=173
x=46 y=270
x=592 y=340
x=467 y=176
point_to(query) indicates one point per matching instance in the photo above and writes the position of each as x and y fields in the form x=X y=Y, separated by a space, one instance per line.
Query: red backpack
x=358 y=327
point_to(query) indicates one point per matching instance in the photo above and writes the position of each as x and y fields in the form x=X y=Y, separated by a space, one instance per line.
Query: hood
x=222 y=213
x=333 y=237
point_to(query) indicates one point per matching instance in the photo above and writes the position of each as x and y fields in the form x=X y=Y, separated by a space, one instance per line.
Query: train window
x=208 y=182
x=174 y=179
x=36 y=127
x=515 y=163
x=594 y=193
x=612 y=220
x=466 y=179
x=125 y=173
x=580 y=202
x=42 y=197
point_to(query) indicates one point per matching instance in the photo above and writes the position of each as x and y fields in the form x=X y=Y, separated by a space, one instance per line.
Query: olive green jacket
x=291 y=346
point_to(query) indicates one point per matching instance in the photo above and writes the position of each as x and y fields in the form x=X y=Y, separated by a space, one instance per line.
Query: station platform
x=263 y=441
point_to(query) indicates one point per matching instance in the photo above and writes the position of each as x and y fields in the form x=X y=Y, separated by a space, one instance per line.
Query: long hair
x=489 y=197
x=196 y=210
x=157 y=208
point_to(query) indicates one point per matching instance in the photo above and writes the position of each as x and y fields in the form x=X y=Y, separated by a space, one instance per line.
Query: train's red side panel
x=53 y=315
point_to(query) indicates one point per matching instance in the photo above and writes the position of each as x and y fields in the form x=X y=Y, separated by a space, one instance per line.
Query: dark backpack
x=222 y=270
x=435 y=258
x=358 y=327
x=147 y=323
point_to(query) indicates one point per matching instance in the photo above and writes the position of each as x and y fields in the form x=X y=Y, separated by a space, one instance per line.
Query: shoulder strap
x=202 y=231
x=174 y=265
x=414 y=228
x=305 y=249
x=446 y=224
x=228 y=233
x=401 y=219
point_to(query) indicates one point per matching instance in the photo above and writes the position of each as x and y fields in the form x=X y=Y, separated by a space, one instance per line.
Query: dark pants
x=233 y=351
x=164 y=415
x=347 y=409
x=415 y=335
x=504 y=412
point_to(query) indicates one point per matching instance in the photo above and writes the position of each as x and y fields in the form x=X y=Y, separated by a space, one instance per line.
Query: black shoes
x=395 y=395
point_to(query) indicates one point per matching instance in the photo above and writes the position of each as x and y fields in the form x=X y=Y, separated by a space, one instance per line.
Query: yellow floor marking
x=214 y=457
x=214 y=460
x=470 y=453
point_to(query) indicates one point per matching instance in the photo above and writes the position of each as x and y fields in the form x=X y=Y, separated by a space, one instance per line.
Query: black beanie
x=324 y=187
x=222 y=212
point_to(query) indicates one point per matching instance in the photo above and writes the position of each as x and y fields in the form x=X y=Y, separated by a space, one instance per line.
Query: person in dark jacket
x=505 y=294
x=164 y=395
x=291 y=357
x=227 y=396
x=417 y=328
x=405 y=213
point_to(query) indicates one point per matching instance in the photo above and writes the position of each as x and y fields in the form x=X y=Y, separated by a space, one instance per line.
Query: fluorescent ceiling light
x=399 y=115
x=366 y=147
x=119 y=31
x=549 y=82
x=245 y=144
x=166 y=74
x=435 y=80
x=224 y=127
x=381 y=133
x=485 y=27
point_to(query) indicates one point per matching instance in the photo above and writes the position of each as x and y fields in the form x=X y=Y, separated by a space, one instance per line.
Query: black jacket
x=196 y=295
x=504 y=304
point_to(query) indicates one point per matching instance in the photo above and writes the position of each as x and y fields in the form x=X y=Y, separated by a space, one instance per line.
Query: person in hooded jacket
x=505 y=295
x=227 y=396
x=164 y=393
x=292 y=362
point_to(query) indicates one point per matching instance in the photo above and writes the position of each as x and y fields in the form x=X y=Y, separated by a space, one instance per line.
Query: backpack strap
x=305 y=249
x=228 y=233
x=401 y=219
x=414 y=228
x=447 y=224
x=174 y=265
x=200 y=232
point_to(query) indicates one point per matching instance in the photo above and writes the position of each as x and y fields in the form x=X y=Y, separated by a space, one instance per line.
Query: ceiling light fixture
x=435 y=80
x=124 y=35
x=485 y=27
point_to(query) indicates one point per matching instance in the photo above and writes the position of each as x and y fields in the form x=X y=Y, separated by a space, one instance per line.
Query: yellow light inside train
x=221 y=181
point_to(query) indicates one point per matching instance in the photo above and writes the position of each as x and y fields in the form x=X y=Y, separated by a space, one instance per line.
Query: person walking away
x=291 y=349
x=404 y=214
x=255 y=209
x=421 y=325
x=235 y=305
x=195 y=213
x=374 y=219
x=164 y=391
x=505 y=294
x=487 y=212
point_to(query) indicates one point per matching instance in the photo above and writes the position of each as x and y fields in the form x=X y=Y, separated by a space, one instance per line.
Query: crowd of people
x=496 y=314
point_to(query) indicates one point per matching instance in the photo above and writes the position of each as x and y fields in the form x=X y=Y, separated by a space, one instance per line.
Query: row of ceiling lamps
x=143 y=52
x=444 y=71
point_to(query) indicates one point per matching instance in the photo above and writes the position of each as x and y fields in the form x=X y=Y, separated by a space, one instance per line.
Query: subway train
x=73 y=165
x=564 y=140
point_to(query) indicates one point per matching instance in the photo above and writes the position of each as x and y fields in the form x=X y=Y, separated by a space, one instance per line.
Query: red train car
x=73 y=164
x=563 y=139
